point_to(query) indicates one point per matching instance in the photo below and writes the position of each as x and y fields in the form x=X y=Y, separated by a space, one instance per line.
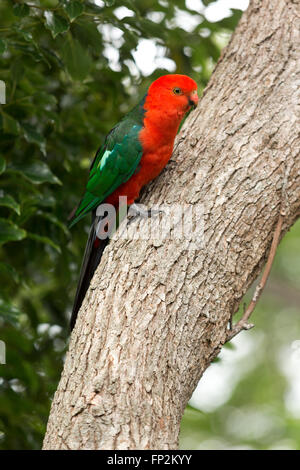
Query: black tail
x=91 y=259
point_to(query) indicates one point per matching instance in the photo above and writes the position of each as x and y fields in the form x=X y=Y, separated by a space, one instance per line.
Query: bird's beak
x=193 y=100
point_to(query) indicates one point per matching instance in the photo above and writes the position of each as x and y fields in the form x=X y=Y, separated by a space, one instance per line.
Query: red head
x=174 y=91
x=168 y=99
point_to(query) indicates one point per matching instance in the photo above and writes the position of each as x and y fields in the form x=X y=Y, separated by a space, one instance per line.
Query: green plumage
x=115 y=162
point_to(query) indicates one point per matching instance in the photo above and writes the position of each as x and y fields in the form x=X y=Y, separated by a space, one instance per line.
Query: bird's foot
x=137 y=210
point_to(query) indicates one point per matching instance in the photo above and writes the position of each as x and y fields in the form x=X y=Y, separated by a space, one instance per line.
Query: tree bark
x=157 y=311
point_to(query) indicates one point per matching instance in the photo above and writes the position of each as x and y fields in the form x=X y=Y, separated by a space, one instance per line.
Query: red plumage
x=164 y=113
x=168 y=99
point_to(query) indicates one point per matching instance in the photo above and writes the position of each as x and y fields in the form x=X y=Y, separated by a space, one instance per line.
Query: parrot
x=134 y=152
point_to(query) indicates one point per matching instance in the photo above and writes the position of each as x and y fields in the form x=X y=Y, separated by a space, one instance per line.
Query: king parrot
x=134 y=152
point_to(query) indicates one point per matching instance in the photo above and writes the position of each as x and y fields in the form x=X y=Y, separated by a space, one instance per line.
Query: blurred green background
x=72 y=69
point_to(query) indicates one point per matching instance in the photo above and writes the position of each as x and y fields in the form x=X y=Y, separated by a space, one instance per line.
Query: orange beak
x=193 y=99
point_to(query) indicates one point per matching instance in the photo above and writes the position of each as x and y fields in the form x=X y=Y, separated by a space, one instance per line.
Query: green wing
x=114 y=164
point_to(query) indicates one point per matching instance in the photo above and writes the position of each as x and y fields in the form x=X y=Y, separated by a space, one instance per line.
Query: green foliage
x=63 y=94
x=73 y=10
x=260 y=411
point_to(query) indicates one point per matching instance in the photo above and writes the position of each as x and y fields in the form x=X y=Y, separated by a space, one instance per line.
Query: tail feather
x=92 y=255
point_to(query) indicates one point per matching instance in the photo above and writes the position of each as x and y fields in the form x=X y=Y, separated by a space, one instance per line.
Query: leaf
x=230 y=346
x=10 y=232
x=9 y=312
x=231 y=21
x=25 y=34
x=45 y=99
x=45 y=240
x=54 y=220
x=34 y=137
x=40 y=200
x=207 y=2
x=88 y=35
x=2 y=165
x=36 y=172
x=21 y=10
x=31 y=51
x=77 y=59
x=149 y=28
x=10 y=125
x=73 y=10
x=10 y=271
x=17 y=69
x=8 y=201
x=55 y=23
x=216 y=360
x=3 y=46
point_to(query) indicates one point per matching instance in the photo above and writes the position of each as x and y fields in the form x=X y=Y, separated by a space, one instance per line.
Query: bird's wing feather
x=114 y=164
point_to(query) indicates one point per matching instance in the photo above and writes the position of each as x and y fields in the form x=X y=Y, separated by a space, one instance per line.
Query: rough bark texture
x=157 y=312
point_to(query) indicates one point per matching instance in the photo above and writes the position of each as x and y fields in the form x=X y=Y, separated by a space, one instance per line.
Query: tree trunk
x=157 y=311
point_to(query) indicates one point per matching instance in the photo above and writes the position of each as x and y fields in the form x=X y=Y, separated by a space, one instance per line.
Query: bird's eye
x=177 y=91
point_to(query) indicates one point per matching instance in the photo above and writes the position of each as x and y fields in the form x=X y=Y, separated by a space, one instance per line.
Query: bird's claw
x=136 y=211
